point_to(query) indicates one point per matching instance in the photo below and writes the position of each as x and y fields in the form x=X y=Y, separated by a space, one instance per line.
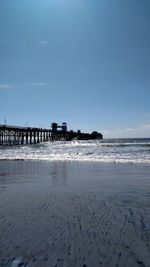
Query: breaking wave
x=109 y=150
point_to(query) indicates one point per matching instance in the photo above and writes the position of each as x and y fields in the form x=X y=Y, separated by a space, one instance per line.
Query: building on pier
x=55 y=127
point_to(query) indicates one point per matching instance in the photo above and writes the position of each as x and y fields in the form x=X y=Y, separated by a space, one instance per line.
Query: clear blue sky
x=86 y=62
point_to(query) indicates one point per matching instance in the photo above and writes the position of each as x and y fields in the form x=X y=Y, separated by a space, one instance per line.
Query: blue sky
x=86 y=62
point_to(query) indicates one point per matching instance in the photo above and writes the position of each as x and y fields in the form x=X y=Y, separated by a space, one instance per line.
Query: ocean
x=67 y=204
x=107 y=150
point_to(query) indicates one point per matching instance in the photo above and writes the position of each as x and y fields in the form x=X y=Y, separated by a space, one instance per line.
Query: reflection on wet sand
x=74 y=214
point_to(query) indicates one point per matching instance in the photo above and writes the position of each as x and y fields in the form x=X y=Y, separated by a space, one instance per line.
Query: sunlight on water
x=110 y=150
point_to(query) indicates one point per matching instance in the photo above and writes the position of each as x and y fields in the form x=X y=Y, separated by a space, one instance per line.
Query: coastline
x=74 y=214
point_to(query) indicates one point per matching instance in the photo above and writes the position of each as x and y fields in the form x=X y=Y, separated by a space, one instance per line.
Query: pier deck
x=16 y=135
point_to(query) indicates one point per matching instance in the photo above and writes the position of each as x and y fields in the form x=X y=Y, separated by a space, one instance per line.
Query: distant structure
x=75 y=135
x=17 y=135
x=55 y=126
x=64 y=127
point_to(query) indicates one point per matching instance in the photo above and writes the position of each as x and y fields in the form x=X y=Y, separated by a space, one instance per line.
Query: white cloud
x=6 y=86
x=39 y=84
x=142 y=130
x=146 y=125
x=23 y=85
x=43 y=42
x=106 y=131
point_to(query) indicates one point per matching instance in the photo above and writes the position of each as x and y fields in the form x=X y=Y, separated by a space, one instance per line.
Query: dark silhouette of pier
x=16 y=135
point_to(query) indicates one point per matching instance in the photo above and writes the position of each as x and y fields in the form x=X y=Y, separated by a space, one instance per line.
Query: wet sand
x=74 y=214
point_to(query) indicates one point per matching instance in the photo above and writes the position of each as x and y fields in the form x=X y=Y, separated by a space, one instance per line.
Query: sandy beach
x=74 y=214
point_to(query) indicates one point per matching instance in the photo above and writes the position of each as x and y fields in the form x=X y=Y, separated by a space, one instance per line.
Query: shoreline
x=86 y=161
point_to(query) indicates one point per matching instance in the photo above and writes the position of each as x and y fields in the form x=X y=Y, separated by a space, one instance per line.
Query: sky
x=85 y=62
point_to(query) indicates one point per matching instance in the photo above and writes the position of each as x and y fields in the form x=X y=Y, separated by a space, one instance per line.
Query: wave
x=125 y=145
x=96 y=151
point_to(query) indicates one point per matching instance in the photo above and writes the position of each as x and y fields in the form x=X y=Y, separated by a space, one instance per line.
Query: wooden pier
x=17 y=135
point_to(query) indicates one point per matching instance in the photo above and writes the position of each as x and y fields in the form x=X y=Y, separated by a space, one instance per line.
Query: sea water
x=60 y=207
x=106 y=150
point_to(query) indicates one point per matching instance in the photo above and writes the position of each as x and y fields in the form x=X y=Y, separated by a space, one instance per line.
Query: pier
x=17 y=135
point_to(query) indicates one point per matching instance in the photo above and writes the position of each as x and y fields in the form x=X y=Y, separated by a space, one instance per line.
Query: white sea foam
x=121 y=150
